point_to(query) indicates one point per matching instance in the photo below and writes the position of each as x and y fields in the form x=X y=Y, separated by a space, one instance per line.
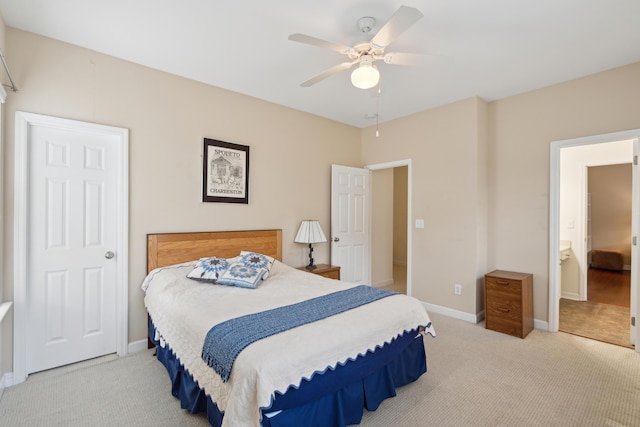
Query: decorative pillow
x=241 y=275
x=257 y=260
x=209 y=269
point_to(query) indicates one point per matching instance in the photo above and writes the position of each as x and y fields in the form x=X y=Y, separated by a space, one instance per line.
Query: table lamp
x=310 y=232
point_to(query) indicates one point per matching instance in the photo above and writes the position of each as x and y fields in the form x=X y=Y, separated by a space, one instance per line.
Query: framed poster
x=225 y=172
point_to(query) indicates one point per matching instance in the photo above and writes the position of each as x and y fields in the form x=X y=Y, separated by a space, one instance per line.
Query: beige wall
x=400 y=180
x=382 y=227
x=521 y=129
x=2 y=45
x=168 y=117
x=610 y=189
x=471 y=228
x=482 y=201
x=443 y=144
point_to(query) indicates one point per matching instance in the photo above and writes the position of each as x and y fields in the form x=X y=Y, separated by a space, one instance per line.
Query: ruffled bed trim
x=335 y=397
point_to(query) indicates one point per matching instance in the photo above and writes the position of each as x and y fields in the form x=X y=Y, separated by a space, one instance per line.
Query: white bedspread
x=183 y=311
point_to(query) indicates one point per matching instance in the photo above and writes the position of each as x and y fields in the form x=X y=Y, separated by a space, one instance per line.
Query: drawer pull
x=502 y=282
x=503 y=309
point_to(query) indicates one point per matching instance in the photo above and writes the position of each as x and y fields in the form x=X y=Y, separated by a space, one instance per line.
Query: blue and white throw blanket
x=225 y=341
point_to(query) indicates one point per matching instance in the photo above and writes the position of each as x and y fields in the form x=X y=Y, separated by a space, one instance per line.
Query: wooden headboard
x=173 y=248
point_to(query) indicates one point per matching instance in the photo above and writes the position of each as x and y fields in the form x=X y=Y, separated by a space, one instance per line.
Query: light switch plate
x=419 y=223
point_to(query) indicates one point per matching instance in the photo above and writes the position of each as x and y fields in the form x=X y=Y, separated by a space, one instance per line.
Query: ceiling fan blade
x=401 y=58
x=404 y=18
x=328 y=73
x=302 y=38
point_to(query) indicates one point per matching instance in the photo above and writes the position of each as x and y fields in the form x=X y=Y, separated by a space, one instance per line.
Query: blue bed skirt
x=334 y=398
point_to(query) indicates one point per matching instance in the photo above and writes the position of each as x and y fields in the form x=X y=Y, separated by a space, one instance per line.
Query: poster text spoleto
x=225 y=172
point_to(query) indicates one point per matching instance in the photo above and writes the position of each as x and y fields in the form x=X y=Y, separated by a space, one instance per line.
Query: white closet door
x=72 y=262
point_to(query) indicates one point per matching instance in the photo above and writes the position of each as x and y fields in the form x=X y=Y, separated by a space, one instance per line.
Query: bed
x=607 y=259
x=323 y=373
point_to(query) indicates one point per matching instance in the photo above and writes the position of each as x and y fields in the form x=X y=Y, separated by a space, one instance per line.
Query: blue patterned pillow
x=209 y=269
x=254 y=259
x=241 y=275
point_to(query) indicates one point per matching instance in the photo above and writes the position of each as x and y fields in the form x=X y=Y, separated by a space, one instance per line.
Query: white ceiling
x=487 y=48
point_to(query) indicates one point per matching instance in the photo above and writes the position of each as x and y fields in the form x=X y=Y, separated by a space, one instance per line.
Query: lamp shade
x=366 y=75
x=310 y=232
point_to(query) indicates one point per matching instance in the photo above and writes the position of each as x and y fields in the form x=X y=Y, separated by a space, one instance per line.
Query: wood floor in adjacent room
x=605 y=316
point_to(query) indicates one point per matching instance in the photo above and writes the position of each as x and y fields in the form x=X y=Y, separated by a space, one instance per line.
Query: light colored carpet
x=110 y=391
x=475 y=377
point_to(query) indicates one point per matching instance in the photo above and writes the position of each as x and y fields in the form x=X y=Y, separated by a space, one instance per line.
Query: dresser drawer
x=506 y=326
x=503 y=287
x=504 y=309
x=325 y=270
x=331 y=274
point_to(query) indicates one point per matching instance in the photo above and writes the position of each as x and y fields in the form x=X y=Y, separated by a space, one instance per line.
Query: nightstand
x=509 y=302
x=325 y=270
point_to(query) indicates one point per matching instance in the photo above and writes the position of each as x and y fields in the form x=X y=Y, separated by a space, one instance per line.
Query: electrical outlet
x=457 y=289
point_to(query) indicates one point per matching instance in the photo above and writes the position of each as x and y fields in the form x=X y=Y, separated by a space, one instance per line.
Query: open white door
x=350 y=229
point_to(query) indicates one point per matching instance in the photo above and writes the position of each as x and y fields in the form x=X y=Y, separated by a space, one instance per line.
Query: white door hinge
x=635 y=160
x=634 y=240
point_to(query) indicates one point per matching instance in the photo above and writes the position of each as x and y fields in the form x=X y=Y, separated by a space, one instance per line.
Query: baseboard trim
x=450 y=312
x=4 y=309
x=540 y=324
x=570 y=295
x=6 y=381
x=472 y=318
x=137 y=346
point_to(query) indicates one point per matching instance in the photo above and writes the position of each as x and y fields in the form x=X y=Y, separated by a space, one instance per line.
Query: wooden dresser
x=508 y=302
x=325 y=270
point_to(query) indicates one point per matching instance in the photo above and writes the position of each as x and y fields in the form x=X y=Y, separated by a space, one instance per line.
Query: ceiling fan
x=365 y=54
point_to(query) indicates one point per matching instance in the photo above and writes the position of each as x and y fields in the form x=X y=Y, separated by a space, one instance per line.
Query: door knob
x=109 y=255
x=336 y=239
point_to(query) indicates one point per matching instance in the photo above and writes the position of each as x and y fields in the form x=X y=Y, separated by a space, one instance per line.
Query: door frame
x=554 y=226
x=23 y=121
x=392 y=165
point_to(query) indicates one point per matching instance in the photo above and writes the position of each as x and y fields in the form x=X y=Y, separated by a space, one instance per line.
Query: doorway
x=573 y=228
x=70 y=242
x=391 y=218
x=602 y=311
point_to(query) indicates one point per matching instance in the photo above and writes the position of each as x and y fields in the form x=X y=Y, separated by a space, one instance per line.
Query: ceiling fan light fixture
x=366 y=75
